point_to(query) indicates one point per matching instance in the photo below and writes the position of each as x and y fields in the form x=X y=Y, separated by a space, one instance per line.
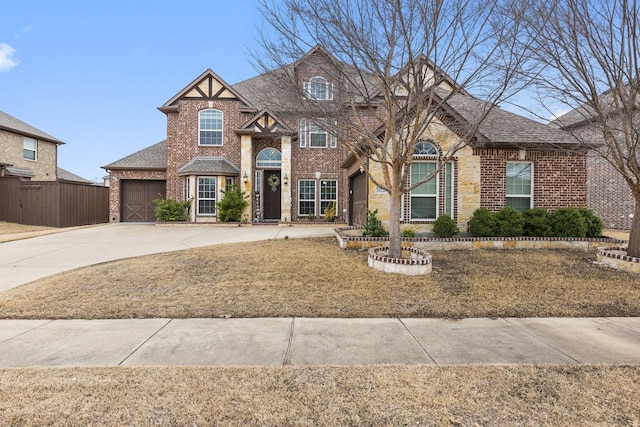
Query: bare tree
x=588 y=53
x=399 y=67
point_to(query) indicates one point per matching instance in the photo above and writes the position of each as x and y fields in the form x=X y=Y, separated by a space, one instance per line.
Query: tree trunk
x=634 y=234
x=395 y=236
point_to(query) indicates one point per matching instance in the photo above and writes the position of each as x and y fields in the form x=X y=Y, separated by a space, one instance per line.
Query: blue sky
x=92 y=73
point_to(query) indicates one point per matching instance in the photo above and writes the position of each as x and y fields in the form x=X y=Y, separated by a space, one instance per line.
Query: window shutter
x=334 y=131
x=330 y=91
x=306 y=91
x=303 y=133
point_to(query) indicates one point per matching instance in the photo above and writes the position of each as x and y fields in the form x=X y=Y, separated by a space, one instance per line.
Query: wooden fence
x=52 y=203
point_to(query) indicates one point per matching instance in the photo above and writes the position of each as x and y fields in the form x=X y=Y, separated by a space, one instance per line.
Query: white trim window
x=424 y=198
x=318 y=88
x=328 y=194
x=317 y=134
x=206 y=195
x=519 y=183
x=210 y=127
x=30 y=149
x=306 y=197
x=269 y=158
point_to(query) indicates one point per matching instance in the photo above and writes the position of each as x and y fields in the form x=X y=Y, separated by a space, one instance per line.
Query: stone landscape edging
x=473 y=243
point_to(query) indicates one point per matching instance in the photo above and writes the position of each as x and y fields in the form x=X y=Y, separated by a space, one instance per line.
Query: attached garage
x=137 y=197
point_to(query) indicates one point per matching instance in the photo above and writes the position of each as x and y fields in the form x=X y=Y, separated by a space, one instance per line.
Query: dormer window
x=319 y=88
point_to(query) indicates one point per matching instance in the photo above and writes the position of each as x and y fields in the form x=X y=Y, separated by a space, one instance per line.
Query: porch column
x=246 y=167
x=285 y=206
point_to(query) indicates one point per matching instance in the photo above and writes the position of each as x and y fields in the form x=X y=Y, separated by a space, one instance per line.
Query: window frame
x=327 y=201
x=433 y=195
x=519 y=196
x=314 y=129
x=312 y=202
x=33 y=150
x=275 y=162
x=201 y=130
x=311 y=89
x=310 y=127
x=214 y=180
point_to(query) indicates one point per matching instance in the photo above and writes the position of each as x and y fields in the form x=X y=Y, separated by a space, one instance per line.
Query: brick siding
x=559 y=178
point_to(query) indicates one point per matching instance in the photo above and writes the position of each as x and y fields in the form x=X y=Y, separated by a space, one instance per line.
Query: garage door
x=137 y=199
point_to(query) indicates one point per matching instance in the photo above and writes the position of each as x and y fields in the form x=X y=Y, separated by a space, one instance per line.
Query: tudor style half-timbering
x=294 y=167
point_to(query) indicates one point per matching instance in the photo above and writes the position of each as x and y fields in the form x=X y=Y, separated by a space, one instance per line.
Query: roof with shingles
x=12 y=124
x=205 y=165
x=507 y=128
x=65 y=175
x=153 y=157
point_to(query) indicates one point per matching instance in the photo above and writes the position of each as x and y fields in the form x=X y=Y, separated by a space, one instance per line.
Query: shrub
x=409 y=233
x=445 y=227
x=171 y=210
x=232 y=204
x=482 y=223
x=509 y=222
x=536 y=223
x=373 y=228
x=330 y=212
x=593 y=222
x=568 y=222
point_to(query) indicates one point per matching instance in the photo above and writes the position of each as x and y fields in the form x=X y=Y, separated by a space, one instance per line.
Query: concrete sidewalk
x=24 y=261
x=304 y=341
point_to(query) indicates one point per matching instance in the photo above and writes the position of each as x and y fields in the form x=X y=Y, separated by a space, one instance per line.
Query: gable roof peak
x=207 y=86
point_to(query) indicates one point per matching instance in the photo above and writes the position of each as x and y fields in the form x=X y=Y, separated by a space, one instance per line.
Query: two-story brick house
x=293 y=169
x=26 y=151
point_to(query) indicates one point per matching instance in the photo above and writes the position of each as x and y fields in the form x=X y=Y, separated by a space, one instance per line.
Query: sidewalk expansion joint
x=531 y=334
x=287 y=354
x=144 y=342
x=417 y=341
x=26 y=332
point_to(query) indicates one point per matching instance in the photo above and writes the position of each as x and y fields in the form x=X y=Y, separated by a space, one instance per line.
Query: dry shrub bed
x=315 y=278
x=382 y=395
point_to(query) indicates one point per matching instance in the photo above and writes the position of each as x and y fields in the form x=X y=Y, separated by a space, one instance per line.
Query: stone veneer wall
x=114 y=186
x=45 y=165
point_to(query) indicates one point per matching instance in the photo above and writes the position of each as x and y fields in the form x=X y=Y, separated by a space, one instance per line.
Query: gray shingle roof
x=205 y=165
x=153 y=157
x=12 y=124
x=65 y=175
x=504 y=127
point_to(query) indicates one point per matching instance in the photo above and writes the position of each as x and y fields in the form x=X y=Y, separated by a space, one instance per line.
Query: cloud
x=7 y=62
x=558 y=113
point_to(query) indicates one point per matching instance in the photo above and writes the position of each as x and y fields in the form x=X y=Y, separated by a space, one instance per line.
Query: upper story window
x=269 y=158
x=316 y=133
x=29 y=149
x=210 y=127
x=319 y=88
x=425 y=149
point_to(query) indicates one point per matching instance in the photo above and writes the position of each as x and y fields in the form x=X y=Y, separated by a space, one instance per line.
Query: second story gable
x=26 y=151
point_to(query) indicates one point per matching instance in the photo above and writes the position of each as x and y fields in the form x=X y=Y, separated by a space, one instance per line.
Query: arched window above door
x=269 y=158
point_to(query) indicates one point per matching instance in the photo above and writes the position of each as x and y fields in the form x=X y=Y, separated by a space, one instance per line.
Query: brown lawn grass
x=315 y=278
x=11 y=231
x=313 y=396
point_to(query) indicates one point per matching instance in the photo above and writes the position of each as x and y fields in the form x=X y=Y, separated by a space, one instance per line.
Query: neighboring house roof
x=12 y=124
x=65 y=175
x=153 y=158
x=18 y=171
x=205 y=165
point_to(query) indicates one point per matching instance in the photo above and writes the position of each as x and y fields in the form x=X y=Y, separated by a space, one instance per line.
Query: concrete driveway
x=24 y=261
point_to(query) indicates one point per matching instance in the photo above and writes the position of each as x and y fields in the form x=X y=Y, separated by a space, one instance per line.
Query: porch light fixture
x=245 y=178
x=285 y=179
